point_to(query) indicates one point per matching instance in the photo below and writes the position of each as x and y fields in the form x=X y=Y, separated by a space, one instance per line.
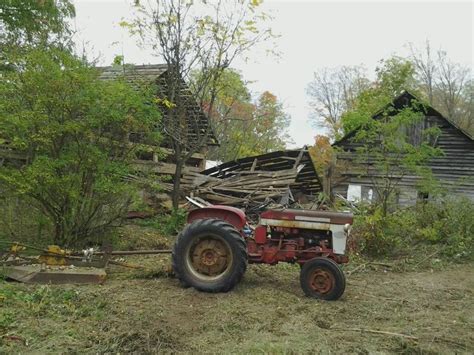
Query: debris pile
x=279 y=177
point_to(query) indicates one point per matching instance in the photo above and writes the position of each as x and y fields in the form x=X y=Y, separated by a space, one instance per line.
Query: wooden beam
x=160 y=167
x=254 y=164
x=298 y=159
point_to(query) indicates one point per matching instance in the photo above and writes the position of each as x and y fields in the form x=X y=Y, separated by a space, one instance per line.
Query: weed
x=447 y=224
x=167 y=224
x=7 y=318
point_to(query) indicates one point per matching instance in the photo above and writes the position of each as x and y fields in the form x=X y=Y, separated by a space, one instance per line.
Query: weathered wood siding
x=454 y=170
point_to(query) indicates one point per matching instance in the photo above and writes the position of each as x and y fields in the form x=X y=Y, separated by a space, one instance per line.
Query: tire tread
x=333 y=267
x=236 y=242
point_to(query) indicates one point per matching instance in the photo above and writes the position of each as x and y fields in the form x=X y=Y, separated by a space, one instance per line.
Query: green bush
x=168 y=224
x=21 y=220
x=447 y=224
x=72 y=139
x=369 y=234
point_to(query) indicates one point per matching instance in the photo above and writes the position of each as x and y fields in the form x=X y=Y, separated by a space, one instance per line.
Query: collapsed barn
x=281 y=177
x=161 y=160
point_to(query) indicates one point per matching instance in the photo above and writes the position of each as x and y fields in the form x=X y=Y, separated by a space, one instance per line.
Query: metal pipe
x=133 y=252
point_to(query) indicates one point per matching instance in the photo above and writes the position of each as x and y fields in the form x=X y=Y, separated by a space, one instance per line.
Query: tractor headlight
x=347 y=228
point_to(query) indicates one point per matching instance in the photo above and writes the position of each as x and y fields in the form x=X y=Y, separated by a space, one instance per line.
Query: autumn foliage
x=321 y=153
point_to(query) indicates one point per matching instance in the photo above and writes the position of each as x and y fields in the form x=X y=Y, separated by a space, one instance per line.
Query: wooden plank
x=160 y=168
x=298 y=159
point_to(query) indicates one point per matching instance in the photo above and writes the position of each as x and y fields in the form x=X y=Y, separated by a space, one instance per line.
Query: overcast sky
x=314 y=34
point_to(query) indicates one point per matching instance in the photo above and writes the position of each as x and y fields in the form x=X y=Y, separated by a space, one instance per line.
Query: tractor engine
x=297 y=236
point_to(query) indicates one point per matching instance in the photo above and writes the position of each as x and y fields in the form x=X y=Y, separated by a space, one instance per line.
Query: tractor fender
x=231 y=215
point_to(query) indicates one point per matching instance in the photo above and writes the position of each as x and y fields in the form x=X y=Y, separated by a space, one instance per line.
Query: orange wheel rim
x=321 y=281
x=209 y=258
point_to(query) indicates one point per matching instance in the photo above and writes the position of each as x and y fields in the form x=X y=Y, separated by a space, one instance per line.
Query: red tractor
x=212 y=252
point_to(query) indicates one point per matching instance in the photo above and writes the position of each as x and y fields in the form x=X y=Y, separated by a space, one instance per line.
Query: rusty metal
x=321 y=281
x=17 y=248
x=309 y=216
x=210 y=256
x=135 y=252
x=57 y=265
x=288 y=235
x=56 y=275
x=231 y=215
x=54 y=255
x=128 y=265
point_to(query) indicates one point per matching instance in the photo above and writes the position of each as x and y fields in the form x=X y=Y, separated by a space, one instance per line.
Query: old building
x=153 y=74
x=454 y=170
x=159 y=160
x=197 y=133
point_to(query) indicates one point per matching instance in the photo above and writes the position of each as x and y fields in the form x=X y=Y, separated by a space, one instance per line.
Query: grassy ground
x=148 y=312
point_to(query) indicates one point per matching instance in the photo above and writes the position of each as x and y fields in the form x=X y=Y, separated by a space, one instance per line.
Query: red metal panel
x=229 y=214
x=261 y=235
x=270 y=214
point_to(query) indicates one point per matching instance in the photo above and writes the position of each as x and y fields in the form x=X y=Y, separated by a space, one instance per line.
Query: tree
x=450 y=87
x=332 y=92
x=33 y=22
x=232 y=114
x=393 y=76
x=195 y=36
x=387 y=151
x=426 y=69
x=68 y=133
x=29 y=23
x=270 y=124
x=321 y=153
x=245 y=126
x=446 y=85
x=466 y=120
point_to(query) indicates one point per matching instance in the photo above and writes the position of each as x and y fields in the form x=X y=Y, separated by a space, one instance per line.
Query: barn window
x=423 y=196
x=354 y=192
x=357 y=193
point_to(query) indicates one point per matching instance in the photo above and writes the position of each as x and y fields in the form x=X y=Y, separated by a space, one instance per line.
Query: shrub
x=22 y=221
x=168 y=224
x=69 y=132
x=447 y=224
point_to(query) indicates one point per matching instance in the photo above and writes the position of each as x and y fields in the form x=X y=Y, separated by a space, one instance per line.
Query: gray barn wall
x=454 y=170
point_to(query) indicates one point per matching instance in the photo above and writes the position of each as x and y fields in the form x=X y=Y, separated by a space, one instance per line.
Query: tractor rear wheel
x=322 y=278
x=210 y=255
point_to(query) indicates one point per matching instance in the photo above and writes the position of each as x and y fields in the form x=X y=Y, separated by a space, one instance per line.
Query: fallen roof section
x=258 y=178
x=307 y=179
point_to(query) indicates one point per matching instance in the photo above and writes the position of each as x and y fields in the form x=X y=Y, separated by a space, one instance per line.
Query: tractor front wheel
x=210 y=255
x=322 y=278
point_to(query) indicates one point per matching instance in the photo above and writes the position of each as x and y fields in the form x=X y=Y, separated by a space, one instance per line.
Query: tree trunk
x=59 y=233
x=177 y=183
x=385 y=204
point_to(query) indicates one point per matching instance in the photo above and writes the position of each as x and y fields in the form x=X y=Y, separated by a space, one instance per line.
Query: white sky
x=314 y=34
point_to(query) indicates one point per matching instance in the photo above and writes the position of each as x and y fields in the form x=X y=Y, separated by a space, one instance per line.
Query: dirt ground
x=431 y=312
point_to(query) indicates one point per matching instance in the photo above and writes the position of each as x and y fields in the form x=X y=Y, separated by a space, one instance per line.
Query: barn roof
x=138 y=75
x=134 y=73
x=307 y=180
x=403 y=100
